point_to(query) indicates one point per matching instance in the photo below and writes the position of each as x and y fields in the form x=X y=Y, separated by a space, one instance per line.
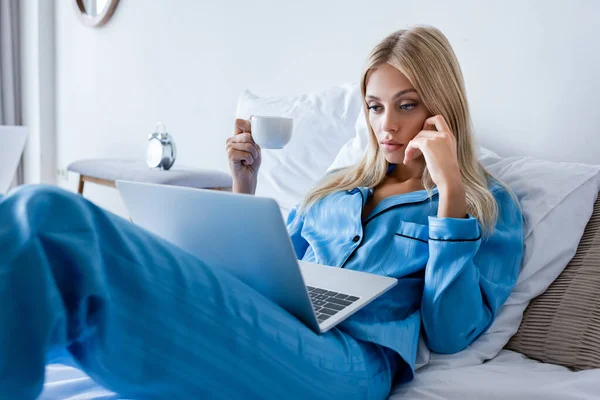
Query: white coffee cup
x=271 y=132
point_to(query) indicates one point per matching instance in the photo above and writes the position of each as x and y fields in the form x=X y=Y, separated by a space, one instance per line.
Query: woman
x=148 y=320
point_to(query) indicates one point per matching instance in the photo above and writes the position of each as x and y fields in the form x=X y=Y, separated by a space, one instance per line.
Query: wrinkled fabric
x=452 y=280
x=148 y=320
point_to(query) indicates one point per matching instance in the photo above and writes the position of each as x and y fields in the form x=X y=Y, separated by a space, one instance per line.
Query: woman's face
x=395 y=111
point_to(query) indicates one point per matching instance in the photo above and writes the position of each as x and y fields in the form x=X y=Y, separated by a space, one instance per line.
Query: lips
x=391 y=146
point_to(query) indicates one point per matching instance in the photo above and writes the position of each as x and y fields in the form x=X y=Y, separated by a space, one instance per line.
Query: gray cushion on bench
x=138 y=171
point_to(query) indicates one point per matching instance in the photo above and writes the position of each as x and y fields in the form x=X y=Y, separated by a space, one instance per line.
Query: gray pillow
x=562 y=326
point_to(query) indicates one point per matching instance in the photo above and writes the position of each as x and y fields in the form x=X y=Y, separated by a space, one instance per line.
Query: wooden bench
x=107 y=171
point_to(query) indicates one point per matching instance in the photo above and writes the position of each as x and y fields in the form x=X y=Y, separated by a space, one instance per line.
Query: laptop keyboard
x=327 y=303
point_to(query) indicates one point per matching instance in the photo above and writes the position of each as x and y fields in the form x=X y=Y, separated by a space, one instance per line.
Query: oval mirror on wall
x=95 y=12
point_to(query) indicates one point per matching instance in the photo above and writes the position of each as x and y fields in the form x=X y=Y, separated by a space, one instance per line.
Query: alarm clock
x=161 y=149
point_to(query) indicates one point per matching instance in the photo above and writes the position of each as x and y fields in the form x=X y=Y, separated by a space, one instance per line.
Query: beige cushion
x=562 y=326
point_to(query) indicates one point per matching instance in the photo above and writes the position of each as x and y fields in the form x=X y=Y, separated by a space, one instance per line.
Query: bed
x=509 y=375
x=558 y=199
x=551 y=194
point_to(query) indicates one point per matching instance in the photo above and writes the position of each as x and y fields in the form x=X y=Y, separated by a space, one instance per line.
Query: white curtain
x=10 y=70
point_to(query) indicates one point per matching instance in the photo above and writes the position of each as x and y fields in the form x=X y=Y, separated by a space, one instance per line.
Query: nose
x=390 y=123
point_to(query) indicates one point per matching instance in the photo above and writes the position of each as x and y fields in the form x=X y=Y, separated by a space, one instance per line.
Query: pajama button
x=356 y=238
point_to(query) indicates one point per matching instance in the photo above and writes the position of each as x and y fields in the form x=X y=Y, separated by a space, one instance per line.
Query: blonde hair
x=425 y=57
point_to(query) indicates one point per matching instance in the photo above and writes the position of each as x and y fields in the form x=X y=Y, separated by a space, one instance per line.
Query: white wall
x=39 y=95
x=184 y=62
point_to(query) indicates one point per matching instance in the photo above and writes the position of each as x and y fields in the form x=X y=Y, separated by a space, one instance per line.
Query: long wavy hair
x=424 y=55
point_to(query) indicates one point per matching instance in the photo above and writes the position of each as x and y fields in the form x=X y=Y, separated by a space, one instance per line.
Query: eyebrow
x=400 y=93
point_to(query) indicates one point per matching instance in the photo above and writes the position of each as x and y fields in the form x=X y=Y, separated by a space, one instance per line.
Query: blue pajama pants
x=150 y=321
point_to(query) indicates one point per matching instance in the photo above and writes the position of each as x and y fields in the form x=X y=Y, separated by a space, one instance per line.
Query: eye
x=374 y=108
x=408 y=107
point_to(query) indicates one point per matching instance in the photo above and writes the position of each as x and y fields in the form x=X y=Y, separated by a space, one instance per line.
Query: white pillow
x=323 y=122
x=352 y=151
x=557 y=201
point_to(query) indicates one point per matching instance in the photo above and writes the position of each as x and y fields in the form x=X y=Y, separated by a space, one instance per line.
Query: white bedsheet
x=68 y=383
x=509 y=375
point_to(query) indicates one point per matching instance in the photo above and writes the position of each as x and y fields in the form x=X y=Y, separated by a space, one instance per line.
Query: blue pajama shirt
x=452 y=281
x=148 y=320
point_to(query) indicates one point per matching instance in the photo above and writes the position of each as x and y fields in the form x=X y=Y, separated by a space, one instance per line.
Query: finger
x=425 y=134
x=413 y=150
x=436 y=135
x=241 y=156
x=242 y=125
x=245 y=137
x=247 y=147
x=438 y=122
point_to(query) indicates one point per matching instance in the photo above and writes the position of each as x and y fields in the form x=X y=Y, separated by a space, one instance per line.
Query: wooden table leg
x=86 y=178
x=81 y=183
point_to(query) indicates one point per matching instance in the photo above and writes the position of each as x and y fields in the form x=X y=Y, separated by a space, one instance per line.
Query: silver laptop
x=246 y=235
x=13 y=142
